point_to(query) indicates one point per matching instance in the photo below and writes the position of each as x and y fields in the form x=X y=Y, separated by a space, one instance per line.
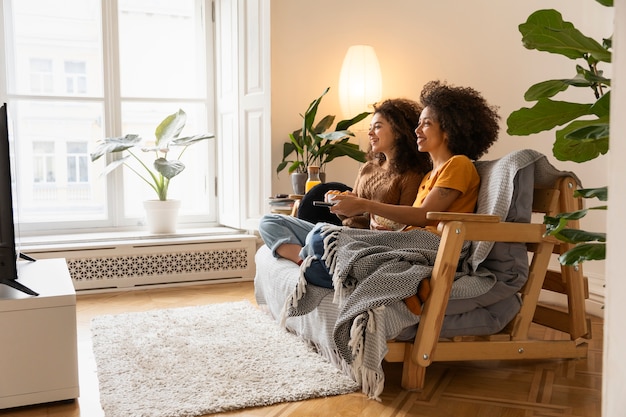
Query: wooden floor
x=512 y=388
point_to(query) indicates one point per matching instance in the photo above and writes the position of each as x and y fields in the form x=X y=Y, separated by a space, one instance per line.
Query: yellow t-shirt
x=458 y=173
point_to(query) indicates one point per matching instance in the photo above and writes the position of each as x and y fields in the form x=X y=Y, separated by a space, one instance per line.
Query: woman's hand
x=330 y=194
x=348 y=205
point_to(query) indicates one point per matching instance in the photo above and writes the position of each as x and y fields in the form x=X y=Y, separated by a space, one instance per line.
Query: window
x=40 y=75
x=43 y=162
x=71 y=80
x=75 y=77
x=77 y=159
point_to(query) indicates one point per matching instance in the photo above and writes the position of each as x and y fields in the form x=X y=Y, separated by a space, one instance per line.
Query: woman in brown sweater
x=394 y=164
x=392 y=175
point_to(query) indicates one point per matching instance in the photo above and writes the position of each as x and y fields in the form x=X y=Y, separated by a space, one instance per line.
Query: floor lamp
x=360 y=85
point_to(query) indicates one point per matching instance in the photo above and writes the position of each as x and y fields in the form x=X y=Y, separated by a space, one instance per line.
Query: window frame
x=112 y=102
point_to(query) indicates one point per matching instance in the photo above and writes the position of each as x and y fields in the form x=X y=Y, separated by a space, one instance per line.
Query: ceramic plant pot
x=298 y=181
x=161 y=216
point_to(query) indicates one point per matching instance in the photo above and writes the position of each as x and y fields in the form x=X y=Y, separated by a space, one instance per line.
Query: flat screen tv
x=8 y=253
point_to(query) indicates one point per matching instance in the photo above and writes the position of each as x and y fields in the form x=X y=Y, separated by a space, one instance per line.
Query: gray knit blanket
x=373 y=271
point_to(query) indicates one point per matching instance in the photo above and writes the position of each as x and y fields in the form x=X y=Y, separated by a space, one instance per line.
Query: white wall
x=474 y=43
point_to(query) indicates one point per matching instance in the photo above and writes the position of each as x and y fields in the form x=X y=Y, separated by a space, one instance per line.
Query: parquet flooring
x=460 y=389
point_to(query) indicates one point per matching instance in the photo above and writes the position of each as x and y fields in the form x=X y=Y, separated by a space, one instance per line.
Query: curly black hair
x=403 y=116
x=471 y=123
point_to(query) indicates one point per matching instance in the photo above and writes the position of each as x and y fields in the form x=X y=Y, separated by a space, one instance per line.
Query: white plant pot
x=161 y=216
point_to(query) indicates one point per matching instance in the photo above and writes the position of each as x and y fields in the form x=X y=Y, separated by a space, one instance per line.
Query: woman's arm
x=439 y=199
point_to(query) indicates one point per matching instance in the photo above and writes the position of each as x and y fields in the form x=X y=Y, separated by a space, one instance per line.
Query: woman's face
x=429 y=134
x=381 y=135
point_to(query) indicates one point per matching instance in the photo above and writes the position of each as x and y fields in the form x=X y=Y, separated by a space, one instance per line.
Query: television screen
x=8 y=254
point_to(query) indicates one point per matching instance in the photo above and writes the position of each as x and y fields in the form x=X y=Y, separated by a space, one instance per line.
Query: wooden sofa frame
x=514 y=341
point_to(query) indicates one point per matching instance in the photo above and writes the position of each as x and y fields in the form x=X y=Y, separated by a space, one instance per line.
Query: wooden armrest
x=464 y=217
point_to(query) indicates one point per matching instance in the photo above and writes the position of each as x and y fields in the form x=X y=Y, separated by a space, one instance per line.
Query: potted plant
x=312 y=145
x=158 y=176
x=585 y=134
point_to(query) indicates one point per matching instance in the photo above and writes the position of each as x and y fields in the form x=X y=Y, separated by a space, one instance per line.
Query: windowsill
x=84 y=240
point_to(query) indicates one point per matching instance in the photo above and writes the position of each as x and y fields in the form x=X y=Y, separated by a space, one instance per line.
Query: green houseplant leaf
x=545 y=30
x=583 y=136
x=584 y=252
x=314 y=144
x=163 y=169
x=599 y=193
x=582 y=140
x=544 y=115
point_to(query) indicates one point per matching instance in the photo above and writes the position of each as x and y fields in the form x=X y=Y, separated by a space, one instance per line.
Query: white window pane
x=161 y=49
x=51 y=132
x=55 y=32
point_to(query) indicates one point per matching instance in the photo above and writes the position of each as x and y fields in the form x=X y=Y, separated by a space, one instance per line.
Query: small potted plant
x=163 y=169
x=312 y=145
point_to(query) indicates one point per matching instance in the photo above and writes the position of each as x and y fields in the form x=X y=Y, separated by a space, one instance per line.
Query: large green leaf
x=345 y=124
x=118 y=144
x=572 y=143
x=168 y=168
x=544 y=115
x=296 y=143
x=336 y=135
x=545 y=30
x=584 y=252
x=601 y=193
x=186 y=141
x=602 y=107
x=311 y=112
x=281 y=166
x=578 y=236
x=546 y=89
x=589 y=130
x=608 y=3
x=324 y=124
x=345 y=148
x=170 y=128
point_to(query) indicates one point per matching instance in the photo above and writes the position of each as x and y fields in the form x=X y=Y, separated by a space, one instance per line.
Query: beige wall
x=474 y=43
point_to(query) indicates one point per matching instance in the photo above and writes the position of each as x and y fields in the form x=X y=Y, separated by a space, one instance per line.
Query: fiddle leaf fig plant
x=313 y=145
x=163 y=169
x=584 y=132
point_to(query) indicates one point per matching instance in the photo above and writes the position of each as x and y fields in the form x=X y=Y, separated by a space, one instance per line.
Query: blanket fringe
x=331 y=233
x=298 y=293
x=372 y=381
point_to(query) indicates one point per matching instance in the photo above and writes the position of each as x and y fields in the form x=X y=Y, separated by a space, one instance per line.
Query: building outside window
x=40 y=76
x=71 y=80
x=43 y=162
x=75 y=77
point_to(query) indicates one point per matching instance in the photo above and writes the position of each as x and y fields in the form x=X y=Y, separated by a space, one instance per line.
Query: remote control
x=323 y=204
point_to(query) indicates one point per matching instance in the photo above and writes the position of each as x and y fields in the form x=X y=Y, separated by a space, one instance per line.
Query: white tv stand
x=38 y=347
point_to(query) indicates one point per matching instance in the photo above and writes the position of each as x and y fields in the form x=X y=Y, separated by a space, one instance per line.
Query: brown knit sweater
x=375 y=183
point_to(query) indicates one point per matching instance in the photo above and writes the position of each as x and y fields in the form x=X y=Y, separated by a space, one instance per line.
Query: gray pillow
x=508 y=261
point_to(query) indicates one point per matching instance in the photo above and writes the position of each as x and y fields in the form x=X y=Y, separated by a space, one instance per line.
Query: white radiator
x=131 y=263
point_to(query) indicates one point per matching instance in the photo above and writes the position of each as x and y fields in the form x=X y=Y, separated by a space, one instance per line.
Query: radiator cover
x=124 y=264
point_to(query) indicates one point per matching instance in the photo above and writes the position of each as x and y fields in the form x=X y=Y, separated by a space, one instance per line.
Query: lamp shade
x=360 y=83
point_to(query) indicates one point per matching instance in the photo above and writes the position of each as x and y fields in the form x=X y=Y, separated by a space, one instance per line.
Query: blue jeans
x=279 y=229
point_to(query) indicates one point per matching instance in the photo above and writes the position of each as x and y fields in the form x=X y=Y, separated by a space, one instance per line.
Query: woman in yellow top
x=456 y=127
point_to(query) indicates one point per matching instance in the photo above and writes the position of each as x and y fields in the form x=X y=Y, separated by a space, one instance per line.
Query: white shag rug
x=190 y=361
